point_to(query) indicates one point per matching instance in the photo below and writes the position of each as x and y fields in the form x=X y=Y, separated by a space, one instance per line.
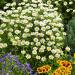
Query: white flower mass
x=36 y=27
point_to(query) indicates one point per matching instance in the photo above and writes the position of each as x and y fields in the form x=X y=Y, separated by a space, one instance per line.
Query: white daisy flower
x=43 y=59
x=28 y=56
x=23 y=52
x=51 y=57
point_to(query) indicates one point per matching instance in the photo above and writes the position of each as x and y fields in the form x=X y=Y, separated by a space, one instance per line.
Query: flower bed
x=32 y=40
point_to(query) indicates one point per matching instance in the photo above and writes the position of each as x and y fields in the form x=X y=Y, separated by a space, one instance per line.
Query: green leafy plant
x=71 y=34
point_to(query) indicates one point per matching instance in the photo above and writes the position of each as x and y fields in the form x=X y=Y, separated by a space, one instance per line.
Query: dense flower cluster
x=34 y=28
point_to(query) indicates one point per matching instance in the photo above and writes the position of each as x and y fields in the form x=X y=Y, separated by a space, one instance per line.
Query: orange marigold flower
x=44 y=69
x=55 y=73
x=65 y=64
x=62 y=71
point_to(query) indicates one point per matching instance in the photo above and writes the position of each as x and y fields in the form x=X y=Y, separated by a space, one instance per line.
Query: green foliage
x=71 y=33
x=3 y=2
x=73 y=70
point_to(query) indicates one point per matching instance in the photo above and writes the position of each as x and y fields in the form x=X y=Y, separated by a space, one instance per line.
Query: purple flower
x=30 y=69
x=1 y=60
x=3 y=74
x=10 y=71
x=17 y=62
x=33 y=73
x=5 y=56
x=12 y=58
x=28 y=66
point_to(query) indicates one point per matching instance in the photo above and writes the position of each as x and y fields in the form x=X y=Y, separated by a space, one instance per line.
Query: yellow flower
x=55 y=73
x=61 y=71
x=44 y=69
x=65 y=64
x=40 y=70
x=74 y=62
x=74 y=55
